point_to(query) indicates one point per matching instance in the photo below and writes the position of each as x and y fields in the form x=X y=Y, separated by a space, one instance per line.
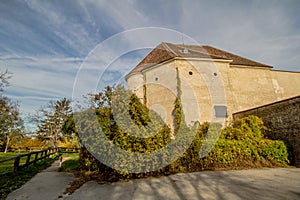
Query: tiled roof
x=165 y=51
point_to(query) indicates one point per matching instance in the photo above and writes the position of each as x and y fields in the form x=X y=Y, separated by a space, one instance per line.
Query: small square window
x=220 y=111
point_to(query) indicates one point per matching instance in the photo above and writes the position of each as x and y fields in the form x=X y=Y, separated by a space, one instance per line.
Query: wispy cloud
x=255 y=29
x=39 y=78
x=44 y=43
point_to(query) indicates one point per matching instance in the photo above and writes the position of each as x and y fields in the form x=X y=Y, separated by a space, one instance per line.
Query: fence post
x=16 y=164
x=28 y=158
x=36 y=157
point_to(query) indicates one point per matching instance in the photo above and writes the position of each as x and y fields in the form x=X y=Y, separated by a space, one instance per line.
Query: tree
x=28 y=143
x=4 y=77
x=69 y=131
x=11 y=124
x=51 y=120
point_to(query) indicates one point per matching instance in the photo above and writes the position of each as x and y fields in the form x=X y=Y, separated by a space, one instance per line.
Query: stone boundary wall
x=283 y=120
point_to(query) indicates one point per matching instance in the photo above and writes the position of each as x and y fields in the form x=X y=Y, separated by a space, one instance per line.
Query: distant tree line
x=52 y=121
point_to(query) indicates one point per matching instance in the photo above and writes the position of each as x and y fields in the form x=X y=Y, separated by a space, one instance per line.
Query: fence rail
x=68 y=150
x=43 y=154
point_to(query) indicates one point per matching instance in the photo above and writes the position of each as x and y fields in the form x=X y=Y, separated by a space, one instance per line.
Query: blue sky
x=43 y=43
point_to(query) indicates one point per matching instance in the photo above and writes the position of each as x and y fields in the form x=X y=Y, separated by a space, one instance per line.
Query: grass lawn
x=7 y=155
x=71 y=164
x=8 y=166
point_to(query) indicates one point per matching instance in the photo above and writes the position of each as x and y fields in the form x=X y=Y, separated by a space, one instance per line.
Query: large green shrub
x=251 y=128
x=241 y=144
x=127 y=123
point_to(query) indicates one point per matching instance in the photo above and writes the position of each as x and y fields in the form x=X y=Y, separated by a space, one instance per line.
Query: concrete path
x=46 y=185
x=279 y=183
x=266 y=183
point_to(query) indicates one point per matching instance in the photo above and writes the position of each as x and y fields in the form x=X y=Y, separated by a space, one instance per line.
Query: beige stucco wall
x=161 y=90
x=285 y=84
x=249 y=87
x=135 y=83
x=252 y=87
x=206 y=83
x=200 y=81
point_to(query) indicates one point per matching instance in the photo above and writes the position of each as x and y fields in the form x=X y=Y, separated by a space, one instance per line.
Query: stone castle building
x=212 y=84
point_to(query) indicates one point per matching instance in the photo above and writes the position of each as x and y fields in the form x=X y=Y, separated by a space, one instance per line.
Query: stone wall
x=283 y=120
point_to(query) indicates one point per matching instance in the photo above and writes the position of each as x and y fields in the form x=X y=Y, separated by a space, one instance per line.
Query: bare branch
x=4 y=77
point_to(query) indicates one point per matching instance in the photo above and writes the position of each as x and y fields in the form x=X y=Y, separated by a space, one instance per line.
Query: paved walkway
x=266 y=183
x=46 y=185
x=240 y=184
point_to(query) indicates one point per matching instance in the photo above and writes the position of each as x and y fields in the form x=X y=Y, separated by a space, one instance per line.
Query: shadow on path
x=46 y=185
x=265 y=183
x=271 y=183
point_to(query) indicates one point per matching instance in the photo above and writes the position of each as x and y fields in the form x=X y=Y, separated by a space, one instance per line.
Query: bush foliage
x=241 y=144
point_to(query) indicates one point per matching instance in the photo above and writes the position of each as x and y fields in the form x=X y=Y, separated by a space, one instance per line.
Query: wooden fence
x=68 y=150
x=38 y=155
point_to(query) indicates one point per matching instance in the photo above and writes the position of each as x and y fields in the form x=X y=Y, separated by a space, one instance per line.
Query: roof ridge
x=202 y=51
x=205 y=51
x=166 y=51
x=168 y=48
x=235 y=55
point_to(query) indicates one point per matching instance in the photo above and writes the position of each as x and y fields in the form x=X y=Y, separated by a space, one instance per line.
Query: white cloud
x=257 y=30
x=124 y=13
x=36 y=80
x=44 y=43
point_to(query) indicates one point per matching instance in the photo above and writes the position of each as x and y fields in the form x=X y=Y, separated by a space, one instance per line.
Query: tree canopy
x=11 y=124
x=51 y=120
